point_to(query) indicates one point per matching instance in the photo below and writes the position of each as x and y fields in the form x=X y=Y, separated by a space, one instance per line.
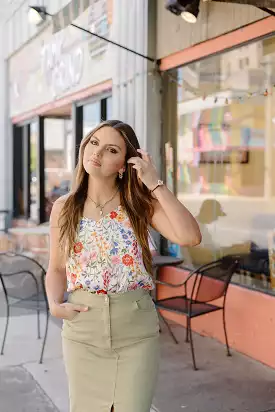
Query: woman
x=99 y=248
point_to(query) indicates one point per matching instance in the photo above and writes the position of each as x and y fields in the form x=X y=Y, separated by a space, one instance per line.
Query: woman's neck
x=101 y=191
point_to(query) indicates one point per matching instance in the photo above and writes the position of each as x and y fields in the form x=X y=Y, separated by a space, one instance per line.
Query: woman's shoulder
x=62 y=199
x=58 y=206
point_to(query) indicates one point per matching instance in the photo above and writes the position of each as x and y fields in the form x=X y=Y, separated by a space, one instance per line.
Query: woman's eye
x=94 y=142
x=112 y=150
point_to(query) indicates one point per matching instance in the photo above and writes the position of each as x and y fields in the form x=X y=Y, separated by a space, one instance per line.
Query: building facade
x=205 y=113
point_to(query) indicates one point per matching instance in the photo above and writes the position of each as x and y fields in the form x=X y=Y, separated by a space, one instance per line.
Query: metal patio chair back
x=210 y=283
x=23 y=282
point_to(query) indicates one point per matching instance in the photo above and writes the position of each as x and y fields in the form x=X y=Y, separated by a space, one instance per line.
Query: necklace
x=101 y=207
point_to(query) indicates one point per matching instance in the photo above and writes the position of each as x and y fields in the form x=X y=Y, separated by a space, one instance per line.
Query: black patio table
x=161 y=261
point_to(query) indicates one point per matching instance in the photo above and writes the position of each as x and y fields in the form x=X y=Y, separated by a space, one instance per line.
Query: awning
x=69 y=13
x=256 y=3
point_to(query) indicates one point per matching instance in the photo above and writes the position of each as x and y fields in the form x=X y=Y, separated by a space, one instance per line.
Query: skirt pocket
x=85 y=327
x=145 y=304
x=145 y=316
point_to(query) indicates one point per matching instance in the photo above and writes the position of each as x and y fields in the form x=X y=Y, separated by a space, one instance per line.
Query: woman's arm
x=56 y=274
x=170 y=218
x=56 y=281
x=173 y=220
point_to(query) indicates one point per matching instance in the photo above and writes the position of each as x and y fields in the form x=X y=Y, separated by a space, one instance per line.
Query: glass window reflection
x=225 y=157
x=91 y=116
x=58 y=160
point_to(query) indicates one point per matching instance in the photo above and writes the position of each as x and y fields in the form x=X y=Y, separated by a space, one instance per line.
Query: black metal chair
x=210 y=282
x=23 y=282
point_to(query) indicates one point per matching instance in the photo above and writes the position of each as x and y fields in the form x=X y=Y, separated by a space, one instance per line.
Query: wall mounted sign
x=62 y=70
x=99 y=22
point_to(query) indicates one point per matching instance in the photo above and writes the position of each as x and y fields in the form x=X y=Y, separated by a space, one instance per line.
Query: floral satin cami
x=107 y=257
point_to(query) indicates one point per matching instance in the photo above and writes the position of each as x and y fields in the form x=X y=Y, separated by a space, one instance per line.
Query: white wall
x=2 y=125
x=5 y=146
x=17 y=28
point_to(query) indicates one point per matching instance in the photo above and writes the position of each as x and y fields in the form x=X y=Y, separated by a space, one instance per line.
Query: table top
x=36 y=230
x=159 y=261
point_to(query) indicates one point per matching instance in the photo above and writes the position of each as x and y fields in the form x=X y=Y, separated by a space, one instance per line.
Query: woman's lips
x=95 y=162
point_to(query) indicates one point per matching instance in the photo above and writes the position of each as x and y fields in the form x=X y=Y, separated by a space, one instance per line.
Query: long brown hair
x=135 y=198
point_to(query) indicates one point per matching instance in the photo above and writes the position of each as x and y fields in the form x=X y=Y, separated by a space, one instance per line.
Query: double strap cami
x=106 y=257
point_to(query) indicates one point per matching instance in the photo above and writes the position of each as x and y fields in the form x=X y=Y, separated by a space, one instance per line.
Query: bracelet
x=155 y=188
x=160 y=183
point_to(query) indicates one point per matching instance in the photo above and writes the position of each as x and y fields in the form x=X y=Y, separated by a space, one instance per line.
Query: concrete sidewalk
x=222 y=384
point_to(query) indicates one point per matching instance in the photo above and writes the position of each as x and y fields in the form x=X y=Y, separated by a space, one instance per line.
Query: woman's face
x=104 y=155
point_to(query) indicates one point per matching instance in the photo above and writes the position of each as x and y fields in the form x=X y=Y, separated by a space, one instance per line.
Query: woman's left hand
x=146 y=169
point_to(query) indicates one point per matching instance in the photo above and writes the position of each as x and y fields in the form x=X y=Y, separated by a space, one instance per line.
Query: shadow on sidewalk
x=20 y=392
x=222 y=384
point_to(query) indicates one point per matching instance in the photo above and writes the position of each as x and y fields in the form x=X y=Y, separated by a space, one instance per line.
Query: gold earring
x=120 y=175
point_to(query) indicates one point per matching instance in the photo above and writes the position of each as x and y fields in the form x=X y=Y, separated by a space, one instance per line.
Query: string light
x=197 y=94
x=132 y=79
x=239 y=99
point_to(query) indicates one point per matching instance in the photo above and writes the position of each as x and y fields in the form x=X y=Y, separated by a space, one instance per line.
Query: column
x=268 y=151
x=136 y=94
x=77 y=130
x=6 y=189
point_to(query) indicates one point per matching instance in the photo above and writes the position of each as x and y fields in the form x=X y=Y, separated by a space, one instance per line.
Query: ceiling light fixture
x=191 y=12
x=176 y=6
x=37 y=15
x=187 y=9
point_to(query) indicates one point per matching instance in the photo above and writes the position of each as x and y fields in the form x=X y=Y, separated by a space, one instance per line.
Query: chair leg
x=187 y=332
x=192 y=344
x=38 y=324
x=45 y=337
x=6 y=330
x=168 y=327
x=160 y=330
x=225 y=333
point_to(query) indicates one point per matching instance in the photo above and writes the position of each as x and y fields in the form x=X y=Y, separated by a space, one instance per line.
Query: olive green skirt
x=111 y=352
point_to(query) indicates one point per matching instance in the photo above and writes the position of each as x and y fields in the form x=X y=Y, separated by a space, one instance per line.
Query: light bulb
x=189 y=17
x=34 y=16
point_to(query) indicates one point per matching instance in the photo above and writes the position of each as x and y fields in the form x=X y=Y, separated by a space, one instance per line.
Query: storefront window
x=19 y=209
x=58 y=160
x=91 y=116
x=109 y=108
x=225 y=157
